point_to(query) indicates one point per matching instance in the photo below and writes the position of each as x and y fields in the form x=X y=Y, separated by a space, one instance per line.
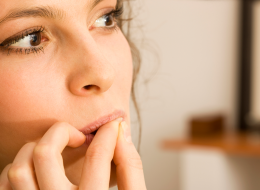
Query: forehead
x=73 y=7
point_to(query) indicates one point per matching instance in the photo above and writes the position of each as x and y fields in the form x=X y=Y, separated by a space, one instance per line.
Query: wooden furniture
x=230 y=143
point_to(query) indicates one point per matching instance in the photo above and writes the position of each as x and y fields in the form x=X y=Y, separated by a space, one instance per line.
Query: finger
x=47 y=156
x=21 y=173
x=128 y=163
x=97 y=165
x=4 y=181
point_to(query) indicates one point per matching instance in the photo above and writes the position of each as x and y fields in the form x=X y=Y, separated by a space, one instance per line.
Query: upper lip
x=101 y=121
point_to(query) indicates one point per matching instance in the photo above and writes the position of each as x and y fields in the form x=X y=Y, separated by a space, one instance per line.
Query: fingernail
x=119 y=119
x=127 y=133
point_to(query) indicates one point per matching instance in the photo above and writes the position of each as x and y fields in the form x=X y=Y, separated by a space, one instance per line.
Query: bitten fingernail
x=119 y=119
x=127 y=132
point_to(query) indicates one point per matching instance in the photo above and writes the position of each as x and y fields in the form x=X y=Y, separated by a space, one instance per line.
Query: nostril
x=88 y=87
x=91 y=87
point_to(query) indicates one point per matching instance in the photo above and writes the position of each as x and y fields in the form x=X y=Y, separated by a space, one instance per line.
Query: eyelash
x=5 y=46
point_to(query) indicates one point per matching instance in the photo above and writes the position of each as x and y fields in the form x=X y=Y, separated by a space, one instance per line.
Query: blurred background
x=198 y=84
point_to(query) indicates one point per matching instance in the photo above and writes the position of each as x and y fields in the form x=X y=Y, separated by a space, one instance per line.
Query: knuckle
x=4 y=184
x=98 y=152
x=61 y=127
x=42 y=152
x=5 y=169
x=29 y=145
x=17 y=173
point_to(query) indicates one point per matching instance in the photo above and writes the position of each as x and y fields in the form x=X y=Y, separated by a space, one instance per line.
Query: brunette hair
x=125 y=25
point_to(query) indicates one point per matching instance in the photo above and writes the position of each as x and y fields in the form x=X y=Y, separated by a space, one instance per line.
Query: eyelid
x=5 y=46
x=22 y=34
x=100 y=14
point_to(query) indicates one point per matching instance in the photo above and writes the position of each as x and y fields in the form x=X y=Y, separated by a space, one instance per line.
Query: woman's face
x=73 y=67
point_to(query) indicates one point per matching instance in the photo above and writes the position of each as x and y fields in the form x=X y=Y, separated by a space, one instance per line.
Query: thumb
x=128 y=163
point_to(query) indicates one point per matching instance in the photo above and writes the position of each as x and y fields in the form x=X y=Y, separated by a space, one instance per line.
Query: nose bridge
x=93 y=72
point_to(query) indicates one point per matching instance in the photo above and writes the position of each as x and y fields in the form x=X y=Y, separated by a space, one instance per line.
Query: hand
x=129 y=167
x=40 y=165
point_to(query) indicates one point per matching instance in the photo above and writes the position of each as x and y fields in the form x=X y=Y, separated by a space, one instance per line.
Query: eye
x=105 y=21
x=31 y=40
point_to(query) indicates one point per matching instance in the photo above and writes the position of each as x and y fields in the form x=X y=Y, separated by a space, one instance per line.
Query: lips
x=91 y=129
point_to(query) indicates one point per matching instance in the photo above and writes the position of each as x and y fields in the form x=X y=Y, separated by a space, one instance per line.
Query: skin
x=44 y=103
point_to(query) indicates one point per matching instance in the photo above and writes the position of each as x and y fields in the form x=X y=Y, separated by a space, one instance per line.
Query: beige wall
x=197 y=42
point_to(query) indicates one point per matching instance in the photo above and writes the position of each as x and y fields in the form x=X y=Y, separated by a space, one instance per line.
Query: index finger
x=129 y=167
x=47 y=155
x=97 y=165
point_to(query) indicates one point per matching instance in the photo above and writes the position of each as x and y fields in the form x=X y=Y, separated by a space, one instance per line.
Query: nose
x=92 y=72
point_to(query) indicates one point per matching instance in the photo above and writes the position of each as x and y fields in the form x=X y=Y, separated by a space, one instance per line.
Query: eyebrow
x=95 y=3
x=45 y=11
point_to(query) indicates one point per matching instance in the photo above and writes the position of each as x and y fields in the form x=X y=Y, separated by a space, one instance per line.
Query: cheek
x=14 y=92
x=20 y=104
x=23 y=89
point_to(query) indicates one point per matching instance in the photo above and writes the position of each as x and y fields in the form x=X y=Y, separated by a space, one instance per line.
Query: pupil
x=109 y=21
x=35 y=39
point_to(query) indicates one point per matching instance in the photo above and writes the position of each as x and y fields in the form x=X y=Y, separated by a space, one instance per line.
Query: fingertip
x=77 y=138
x=125 y=147
x=99 y=156
x=124 y=133
x=128 y=162
x=112 y=126
x=83 y=136
x=115 y=123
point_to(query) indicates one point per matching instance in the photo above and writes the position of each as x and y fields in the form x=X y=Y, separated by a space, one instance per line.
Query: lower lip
x=115 y=115
x=89 y=139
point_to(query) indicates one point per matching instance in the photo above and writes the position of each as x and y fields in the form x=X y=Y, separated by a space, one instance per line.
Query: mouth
x=91 y=129
x=94 y=132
